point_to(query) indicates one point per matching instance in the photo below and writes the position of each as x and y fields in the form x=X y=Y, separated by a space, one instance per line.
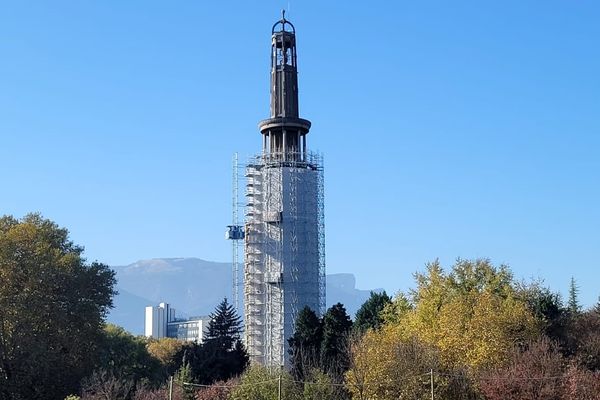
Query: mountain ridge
x=194 y=286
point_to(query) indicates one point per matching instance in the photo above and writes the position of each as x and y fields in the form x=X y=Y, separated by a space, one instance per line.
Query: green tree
x=319 y=386
x=368 y=315
x=52 y=308
x=184 y=378
x=126 y=357
x=335 y=349
x=548 y=308
x=222 y=355
x=573 y=304
x=224 y=327
x=305 y=344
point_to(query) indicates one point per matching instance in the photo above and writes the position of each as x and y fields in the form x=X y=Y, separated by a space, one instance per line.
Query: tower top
x=285 y=130
x=283 y=22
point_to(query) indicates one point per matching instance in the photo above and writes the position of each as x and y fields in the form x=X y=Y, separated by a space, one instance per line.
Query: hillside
x=194 y=287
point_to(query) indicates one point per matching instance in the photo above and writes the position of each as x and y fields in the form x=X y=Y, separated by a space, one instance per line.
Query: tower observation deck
x=284 y=263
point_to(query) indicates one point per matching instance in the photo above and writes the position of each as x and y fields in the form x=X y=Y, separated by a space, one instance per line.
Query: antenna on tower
x=235 y=233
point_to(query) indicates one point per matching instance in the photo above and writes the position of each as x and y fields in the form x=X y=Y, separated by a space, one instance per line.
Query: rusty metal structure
x=284 y=244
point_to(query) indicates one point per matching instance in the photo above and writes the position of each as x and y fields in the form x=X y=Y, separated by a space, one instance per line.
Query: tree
x=535 y=373
x=258 y=383
x=165 y=351
x=318 y=386
x=581 y=384
x=385 y=366
x=218 y=391
x=547 y=307
x=368 y=315
x=104 y=385
x=224 y=326
x=126 y=357
x=305 y=344
x=473 y=314
x=184 y=378
x=52 y=307
x=222 y=355
x=573 y=304
x=335 y=346
x=585 y=335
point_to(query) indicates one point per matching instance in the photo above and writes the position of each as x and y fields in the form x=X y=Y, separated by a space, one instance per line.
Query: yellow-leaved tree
x=453 y=323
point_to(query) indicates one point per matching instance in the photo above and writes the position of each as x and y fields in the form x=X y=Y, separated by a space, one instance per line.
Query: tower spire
x=284 y=133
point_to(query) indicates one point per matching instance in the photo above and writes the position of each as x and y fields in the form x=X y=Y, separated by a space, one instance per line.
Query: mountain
x=194 y=287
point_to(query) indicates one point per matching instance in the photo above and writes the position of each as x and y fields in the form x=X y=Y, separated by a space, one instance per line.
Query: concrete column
x=304 y=146
x=284 y=146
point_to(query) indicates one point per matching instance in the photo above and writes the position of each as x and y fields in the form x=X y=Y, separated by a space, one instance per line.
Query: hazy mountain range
x=194 y=287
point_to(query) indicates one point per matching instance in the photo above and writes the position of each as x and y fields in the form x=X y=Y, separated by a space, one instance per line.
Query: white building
x=161 y=322
x=157 y=319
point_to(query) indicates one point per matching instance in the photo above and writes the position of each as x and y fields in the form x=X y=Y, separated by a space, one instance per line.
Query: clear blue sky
x=449 y=129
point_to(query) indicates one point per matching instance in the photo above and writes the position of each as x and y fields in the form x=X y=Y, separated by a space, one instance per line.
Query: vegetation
x=469 y=332
x=222 y=356
x=369 y=315
x=52 y=308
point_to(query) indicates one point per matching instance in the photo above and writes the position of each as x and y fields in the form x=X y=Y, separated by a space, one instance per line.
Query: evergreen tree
x=184 y=376
x=334 y=347
x=573 y=305
x=305 y=344
x=225 y=326
x=368 y=315
x=548 y=308
x=222 y=355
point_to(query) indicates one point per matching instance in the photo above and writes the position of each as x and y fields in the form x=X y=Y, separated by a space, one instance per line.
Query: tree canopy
x=305 y=344
x=52 y=307
x=369 y=315
x=472 y=314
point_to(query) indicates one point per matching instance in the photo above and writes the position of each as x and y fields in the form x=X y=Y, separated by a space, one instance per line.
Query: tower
x=284 y=263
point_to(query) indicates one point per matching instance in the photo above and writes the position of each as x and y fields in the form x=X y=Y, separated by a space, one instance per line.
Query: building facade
x=284 y=263
x=161 y=322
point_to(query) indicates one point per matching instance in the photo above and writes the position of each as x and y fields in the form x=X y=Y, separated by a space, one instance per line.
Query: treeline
x=53 y=338
x=467 y=332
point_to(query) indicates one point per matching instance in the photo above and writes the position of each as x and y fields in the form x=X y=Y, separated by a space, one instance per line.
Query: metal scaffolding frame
x=235 y=233
x=284 y=251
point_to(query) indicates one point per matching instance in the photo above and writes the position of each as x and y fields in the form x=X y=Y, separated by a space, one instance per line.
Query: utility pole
x=431 y=372
x=279 y=387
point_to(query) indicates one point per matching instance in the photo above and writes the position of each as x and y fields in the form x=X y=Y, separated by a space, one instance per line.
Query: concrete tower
x=284 y=267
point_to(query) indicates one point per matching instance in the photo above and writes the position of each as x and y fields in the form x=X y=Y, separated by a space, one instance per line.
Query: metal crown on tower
x=284 y=133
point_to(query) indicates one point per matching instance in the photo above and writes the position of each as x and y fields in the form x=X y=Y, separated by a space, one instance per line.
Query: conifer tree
x=334 y=347
x=368 y=315
x=222 y=355
x=305 y=344
x=225 y=326
x=573 y=305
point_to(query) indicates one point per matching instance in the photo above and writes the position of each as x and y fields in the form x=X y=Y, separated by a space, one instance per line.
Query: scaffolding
x=284 y=267
x=235 y=233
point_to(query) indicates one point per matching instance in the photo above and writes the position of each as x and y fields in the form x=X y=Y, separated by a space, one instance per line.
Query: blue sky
x=450 y=129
